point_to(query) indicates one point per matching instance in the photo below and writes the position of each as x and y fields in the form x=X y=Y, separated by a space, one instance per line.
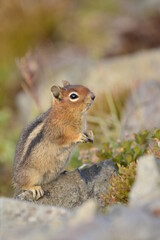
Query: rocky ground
x=139 y=220
x=71 y=189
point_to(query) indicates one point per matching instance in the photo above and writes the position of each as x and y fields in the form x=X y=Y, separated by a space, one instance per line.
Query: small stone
x=90 y=207
x=146 y=186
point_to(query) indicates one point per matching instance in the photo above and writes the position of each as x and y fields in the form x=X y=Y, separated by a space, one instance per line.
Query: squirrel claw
x=87 y=137
x=84 y=138
x=90 y=136
x=37 y=192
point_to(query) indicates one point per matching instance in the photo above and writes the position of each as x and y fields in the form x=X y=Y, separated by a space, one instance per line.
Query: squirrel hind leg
x=29 y=180
x=37 y=191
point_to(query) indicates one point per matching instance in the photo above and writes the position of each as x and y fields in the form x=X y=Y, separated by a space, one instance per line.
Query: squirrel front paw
x=86 y=137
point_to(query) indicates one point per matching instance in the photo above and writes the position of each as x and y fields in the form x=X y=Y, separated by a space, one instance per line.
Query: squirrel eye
x=73 y=96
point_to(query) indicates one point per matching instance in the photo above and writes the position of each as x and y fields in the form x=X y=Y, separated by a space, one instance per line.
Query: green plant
x=120 y=185
x=129 y=150
x=125 y=155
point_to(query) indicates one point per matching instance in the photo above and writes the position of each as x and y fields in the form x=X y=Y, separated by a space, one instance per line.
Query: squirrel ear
x=56 y=90
x=65 y=83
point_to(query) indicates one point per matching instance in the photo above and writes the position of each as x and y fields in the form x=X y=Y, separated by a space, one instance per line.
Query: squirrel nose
x=92 y=96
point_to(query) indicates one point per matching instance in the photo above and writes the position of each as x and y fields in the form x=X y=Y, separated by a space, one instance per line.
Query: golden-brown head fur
x=63 y=98
x=68 y=116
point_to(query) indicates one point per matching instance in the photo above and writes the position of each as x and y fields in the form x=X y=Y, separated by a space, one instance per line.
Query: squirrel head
x=76 y=98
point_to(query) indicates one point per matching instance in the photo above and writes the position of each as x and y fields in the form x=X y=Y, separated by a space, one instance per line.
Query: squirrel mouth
x=89 y=105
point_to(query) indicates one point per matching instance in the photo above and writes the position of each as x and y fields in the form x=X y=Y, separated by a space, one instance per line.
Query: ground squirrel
x=45 y=146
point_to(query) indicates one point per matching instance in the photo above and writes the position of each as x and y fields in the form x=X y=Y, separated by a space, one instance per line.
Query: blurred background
x=111 y=46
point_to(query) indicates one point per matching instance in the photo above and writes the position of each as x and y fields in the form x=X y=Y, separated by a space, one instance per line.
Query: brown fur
x=45 y=146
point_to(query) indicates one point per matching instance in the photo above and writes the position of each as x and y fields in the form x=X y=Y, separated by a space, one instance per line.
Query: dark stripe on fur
x=35 y=123
x=33 y=143
x=32 y=127
x=24 y=136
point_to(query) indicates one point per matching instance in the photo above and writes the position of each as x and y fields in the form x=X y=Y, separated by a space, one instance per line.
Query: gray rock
x=15 y=213
x=142 y=110
x=22 y=220
x=127 y=224
x=79 y=214
x=19 y=218
x=147 y=184
x=73 y=188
